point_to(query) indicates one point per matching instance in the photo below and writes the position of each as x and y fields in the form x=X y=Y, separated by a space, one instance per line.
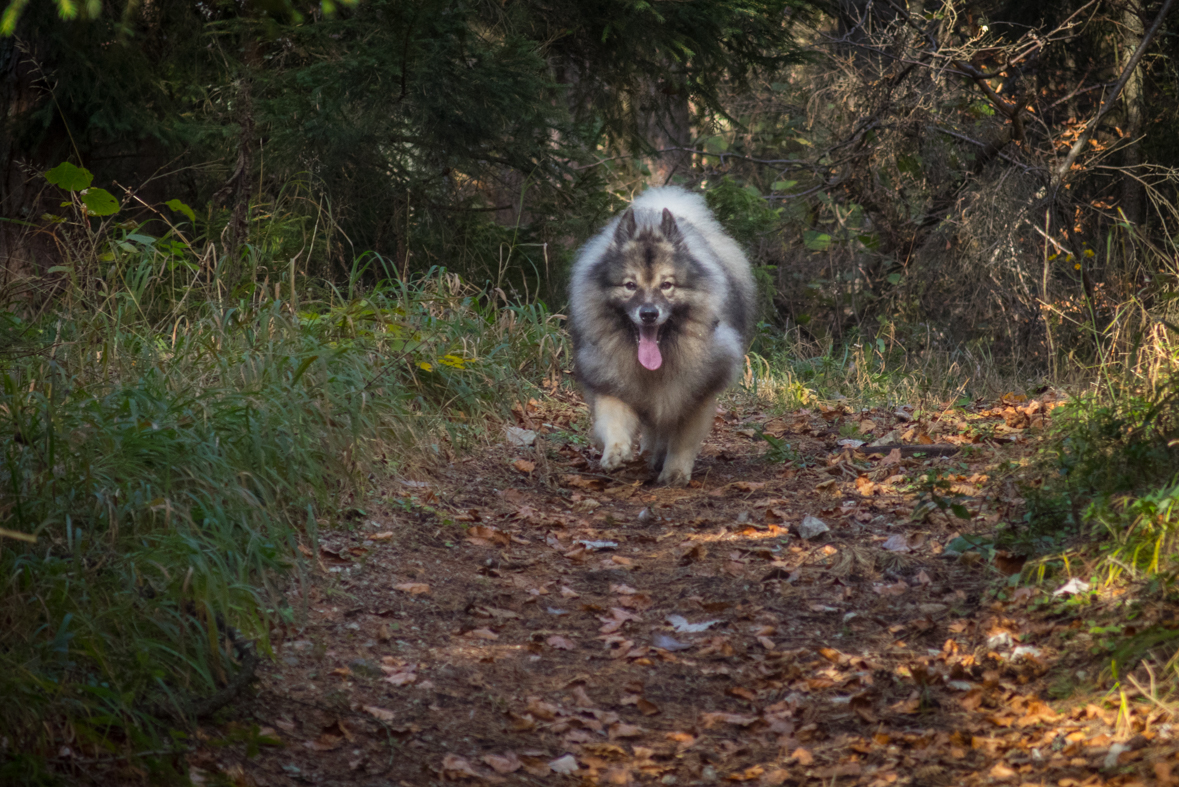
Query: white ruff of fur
x=672 y=405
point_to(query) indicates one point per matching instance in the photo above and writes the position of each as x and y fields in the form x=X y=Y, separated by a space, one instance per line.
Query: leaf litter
x=876 y=655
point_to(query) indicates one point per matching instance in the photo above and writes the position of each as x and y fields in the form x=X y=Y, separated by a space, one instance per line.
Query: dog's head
x=649 y=279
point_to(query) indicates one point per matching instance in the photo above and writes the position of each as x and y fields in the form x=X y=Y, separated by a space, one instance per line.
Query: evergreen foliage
x=401 y=116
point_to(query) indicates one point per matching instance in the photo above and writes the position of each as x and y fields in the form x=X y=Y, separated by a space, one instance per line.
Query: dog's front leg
x=685 y=444
x=614 y=427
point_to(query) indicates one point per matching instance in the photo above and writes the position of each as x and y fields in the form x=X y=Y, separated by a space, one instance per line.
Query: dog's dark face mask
x=648 y=281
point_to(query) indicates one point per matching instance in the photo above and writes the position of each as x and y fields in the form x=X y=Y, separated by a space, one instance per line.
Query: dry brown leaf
x=623 y=730
x=503 y=763
x=483 y=535
x=455 y=767
x=774 y=778
x=414 y=588
x=561 y=643
x=646 y=707
x=380 y=713
x=1002 y=772
x=802 y=757
x=545 y=711
x=482 y=633
x=523 y=466
x=581 y=482
x=712 y=719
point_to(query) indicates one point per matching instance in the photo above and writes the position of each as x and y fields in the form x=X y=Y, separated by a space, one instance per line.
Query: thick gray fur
x=667 y=256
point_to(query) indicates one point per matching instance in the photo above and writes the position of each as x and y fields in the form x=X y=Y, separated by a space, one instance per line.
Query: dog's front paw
x=616 y=455
x=675 y=476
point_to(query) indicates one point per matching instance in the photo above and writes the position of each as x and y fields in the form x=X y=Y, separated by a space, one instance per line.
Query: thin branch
x=1107 y=104
x=985 y=146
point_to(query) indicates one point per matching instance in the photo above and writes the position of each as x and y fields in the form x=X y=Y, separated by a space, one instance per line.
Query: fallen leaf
x=664 y=642
x=503 y=763
x=454 y=766
x=565 y=766
x=623 y=730
x=545 y=711
x=483 y=633
x=646 y=707
x=774 y=778
x=1072 y=588
x=560 y=643
x=482 y=535
x=379 y=713
x=682 y=626
x=524 y=466
x=712 y=719
x=802 y=757
x=414 y=588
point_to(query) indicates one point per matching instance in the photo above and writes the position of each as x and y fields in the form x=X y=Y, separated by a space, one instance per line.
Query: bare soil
x=518 y=617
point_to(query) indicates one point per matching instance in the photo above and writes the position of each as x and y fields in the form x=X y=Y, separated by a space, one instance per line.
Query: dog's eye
x=666 y=286
x=631 y=286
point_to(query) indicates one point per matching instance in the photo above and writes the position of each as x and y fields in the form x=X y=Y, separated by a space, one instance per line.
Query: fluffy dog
x=661 y=307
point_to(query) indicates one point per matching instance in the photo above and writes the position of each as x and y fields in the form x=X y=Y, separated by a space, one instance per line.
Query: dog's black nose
x=648 y=314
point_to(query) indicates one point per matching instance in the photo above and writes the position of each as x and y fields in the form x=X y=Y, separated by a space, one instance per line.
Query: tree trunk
x=1133 y=105
x=667 y=123
x=22 y=194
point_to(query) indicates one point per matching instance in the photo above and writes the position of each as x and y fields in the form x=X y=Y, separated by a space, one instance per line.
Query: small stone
x=812 y=526
x=518 y=436
x=999 y=640
x=1111 y=757
x=645 y=516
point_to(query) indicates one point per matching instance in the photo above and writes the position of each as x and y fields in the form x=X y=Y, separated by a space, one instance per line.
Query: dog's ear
x=626 y=227
x=669 y=228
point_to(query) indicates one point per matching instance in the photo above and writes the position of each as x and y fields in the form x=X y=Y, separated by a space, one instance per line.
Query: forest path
x=519 y=618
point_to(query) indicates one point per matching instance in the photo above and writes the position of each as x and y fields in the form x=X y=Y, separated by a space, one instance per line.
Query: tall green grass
x=164 y=453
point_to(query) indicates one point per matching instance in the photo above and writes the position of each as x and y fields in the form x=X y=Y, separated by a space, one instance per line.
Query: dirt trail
x=521 y=619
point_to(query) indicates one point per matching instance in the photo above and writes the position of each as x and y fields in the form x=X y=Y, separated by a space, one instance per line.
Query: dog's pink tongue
x=649 y=355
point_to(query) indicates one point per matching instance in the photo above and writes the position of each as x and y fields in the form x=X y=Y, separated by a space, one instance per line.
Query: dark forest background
x=257 y=254
x=883 y=161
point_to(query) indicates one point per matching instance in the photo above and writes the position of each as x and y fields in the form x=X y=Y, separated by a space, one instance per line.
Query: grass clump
x=1111 y=476
x=160 y=474
x=789 y=371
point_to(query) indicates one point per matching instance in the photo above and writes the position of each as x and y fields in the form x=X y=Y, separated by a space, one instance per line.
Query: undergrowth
x=166 y=453
x=787 y=372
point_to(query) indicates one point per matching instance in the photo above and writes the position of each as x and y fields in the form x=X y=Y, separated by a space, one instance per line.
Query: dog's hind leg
x=685 y=443
x=654 y=445
x=614 y=428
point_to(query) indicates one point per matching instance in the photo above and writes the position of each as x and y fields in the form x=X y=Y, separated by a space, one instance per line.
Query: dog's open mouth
x=649 y=355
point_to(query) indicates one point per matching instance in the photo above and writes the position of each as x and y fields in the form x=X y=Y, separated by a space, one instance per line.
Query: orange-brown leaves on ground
x=397 y=672
x=485 y=536
x=595 y=626
x=454 y=768
x=503 y=763
x=331 y=737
